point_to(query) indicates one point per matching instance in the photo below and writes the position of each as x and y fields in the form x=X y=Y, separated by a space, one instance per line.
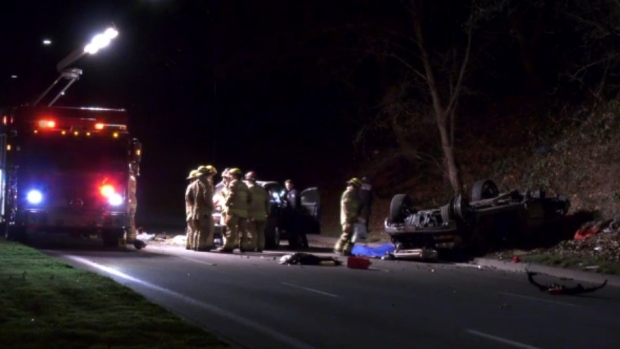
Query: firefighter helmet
x=235 y=171
x=355 y=182
x=208 y=170
x=192 y=174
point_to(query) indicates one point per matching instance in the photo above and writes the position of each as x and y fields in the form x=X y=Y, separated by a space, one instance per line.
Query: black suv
x=276 y=229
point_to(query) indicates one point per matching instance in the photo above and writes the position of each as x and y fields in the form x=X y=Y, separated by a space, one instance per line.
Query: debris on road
x=557 y=289
x=300 y=258
x=179 y=240
x=358 y=263
x=145 y=236
x=139 y=244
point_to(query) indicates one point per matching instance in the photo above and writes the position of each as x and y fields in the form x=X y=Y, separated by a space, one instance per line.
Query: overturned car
x=501 y=217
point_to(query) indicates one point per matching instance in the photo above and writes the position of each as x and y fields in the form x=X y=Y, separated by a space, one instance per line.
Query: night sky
x=228 y=83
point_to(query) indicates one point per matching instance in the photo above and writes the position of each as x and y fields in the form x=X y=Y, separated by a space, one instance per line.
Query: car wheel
x=484 y=189
x=461 y=209
x=400 y=207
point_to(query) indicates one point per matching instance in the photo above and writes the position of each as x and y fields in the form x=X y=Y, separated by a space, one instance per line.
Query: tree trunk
x=443 y=115
x=448 y=153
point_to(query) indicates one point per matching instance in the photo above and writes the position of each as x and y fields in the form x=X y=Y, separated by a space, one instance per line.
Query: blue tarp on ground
x=367 y=251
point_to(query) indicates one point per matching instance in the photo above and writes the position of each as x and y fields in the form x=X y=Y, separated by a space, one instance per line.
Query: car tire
x=400 y=207
x=484 y=189
x=461 y=209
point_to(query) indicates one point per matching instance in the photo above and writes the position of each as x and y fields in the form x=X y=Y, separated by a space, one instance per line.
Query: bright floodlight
x=47 y=42
x=100 y=41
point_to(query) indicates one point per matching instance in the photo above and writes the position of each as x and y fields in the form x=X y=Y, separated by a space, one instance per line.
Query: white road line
x=539 y=300
x=501 y=340
x=311 y=290
x=208 y=307
x=203 y=262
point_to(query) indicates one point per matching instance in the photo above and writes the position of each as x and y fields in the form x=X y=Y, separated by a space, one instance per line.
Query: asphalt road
x=255 y=302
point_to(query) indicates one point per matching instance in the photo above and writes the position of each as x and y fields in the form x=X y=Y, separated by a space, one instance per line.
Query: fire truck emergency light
x=34 y=196
x=115 y=199
x=107 y=190
x=110 y=193
x=47 y=124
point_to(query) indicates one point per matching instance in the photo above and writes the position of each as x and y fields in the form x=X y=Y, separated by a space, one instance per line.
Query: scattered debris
x=179 y=240
x=145 y=237
x=557 y=289
x=358 y=263
x=139 y=244
x=300 y=258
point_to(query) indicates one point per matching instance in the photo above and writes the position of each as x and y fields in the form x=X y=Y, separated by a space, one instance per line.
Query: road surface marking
x=208 y=307
x=500 y=339
x=206 y=263
x=539 y=300
x=311 y=290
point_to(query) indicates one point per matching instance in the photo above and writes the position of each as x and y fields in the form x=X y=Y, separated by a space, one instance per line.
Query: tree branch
x=459 y=83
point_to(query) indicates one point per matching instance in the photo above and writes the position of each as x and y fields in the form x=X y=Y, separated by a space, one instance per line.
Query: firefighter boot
x=343 y=245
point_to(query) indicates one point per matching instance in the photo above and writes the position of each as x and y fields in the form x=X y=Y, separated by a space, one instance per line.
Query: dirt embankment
x=576 y=154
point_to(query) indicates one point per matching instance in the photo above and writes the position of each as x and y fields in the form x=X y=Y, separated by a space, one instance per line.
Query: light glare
x=34 y=196
x=115 y=199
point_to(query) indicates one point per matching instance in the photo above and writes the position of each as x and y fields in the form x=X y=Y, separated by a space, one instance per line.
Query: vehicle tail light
x=107 y=190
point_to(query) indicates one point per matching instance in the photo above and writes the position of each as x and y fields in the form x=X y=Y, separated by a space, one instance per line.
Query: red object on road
x=515 y=259
x=358 y=263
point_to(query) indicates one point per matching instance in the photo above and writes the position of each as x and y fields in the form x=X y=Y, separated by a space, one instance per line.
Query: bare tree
x=444 y=104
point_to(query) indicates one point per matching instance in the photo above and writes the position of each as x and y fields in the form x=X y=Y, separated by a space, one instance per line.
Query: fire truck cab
x=67 y=170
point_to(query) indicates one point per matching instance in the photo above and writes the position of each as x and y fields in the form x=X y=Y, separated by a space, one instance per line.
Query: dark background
x=228 y=83
x=283 y=87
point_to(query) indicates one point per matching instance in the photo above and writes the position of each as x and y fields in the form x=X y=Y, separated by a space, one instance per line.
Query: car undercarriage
x=501 y=217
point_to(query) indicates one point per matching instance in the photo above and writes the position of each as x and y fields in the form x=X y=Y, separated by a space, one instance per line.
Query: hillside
x=576 y=154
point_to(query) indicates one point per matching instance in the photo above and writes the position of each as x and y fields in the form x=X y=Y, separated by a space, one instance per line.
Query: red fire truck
x=66 y=170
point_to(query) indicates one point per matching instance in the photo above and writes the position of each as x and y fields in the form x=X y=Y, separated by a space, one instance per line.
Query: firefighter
x=236 y=201
x=132 y=188
x=189 y=210
x=365 y=197
x=349 y=215
x=292 y=213
x=223 y=193
x=258 y=212
x=203 y=208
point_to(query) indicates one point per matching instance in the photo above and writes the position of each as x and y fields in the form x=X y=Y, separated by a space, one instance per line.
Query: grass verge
x=571 y=261
x=45 y=303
